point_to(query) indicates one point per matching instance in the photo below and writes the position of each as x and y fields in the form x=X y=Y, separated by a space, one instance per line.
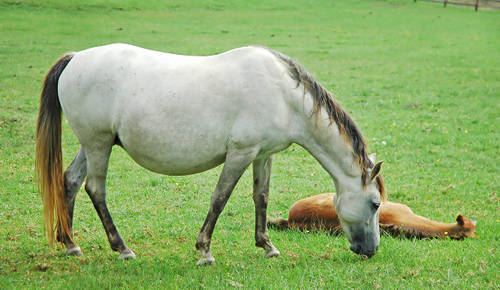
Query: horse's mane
x=324 y=100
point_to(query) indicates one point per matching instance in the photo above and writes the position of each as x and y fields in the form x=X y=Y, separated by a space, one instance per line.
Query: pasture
x=421 y=82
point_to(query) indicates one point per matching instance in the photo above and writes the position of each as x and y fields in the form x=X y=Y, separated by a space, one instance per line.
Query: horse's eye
x=376 y=205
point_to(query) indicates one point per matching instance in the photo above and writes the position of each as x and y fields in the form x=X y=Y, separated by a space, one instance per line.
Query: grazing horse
x=180 y=115
x=396 y=219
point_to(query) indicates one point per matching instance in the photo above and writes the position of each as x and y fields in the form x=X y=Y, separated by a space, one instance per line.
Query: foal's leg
x=73 y=179
x=261 y=176
x=97 y=162
x=235 y=165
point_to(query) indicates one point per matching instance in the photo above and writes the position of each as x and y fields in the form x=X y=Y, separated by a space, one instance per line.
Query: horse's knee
x=261 y=198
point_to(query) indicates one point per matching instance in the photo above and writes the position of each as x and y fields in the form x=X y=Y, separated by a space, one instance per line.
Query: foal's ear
x=460 y=220
x=376 y=170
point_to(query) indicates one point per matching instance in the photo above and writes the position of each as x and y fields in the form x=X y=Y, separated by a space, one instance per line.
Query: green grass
x=422 y=82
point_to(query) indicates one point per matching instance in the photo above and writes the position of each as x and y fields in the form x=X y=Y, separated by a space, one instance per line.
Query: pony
x=318 y=212
x=179 y=115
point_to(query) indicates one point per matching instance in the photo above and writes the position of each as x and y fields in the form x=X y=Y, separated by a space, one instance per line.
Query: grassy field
x=422 y=82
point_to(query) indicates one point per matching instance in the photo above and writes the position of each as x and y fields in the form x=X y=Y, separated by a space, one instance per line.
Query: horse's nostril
x=371 y=253
x=355 y=248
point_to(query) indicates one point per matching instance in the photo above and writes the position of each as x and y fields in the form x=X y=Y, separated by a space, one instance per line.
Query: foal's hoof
x=206 y=261
x=127 y=255
x=74 y=251
x=272 y=253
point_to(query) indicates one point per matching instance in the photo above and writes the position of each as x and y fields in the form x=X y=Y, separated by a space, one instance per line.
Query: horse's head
x=464 y=228
x=359 y=211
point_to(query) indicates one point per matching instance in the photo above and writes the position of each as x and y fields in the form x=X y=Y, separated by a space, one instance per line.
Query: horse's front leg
x=234 y=166
x=261 y=177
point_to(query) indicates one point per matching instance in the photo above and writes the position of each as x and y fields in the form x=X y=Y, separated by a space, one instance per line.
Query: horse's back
x=164 y=107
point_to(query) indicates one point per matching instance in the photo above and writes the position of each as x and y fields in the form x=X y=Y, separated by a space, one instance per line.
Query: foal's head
x=464 y=228
x=359 y=211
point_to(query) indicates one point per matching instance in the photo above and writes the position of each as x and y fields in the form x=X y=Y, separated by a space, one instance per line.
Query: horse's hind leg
x=261 y=177
x=73 y=179
x=97 y=162
x=235 y=165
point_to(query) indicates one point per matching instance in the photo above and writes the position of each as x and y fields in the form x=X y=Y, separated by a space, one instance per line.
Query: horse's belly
x=164 y=151
x=175 y=163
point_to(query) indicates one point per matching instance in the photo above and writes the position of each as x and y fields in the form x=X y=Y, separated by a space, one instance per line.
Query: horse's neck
x=323 y=140
x=401 y=215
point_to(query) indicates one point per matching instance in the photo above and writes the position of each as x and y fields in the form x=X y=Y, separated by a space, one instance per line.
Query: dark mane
x=324 y=100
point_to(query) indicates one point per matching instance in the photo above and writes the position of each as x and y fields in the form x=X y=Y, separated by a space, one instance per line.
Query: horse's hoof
x=206 y=262
x=272 y=253
x=74 y=251
x=127 y=255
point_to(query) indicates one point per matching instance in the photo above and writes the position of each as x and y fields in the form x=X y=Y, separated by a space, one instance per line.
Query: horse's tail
x=279 y=223
x=48 y=156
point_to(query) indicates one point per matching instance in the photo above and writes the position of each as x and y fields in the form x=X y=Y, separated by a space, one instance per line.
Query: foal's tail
x=279 y=223
x=48 y=160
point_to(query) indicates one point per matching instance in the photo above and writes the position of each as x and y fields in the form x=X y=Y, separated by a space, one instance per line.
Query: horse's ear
x=372 y=157
x=376 y=170
x=460 y=220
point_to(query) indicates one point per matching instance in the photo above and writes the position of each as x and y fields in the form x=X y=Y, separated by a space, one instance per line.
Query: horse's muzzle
x=356 y=248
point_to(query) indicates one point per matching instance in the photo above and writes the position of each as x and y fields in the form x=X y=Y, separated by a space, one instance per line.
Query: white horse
x=180 y=115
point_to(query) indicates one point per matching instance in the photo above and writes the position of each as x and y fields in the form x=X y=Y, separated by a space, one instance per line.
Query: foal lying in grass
x=318 y=212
